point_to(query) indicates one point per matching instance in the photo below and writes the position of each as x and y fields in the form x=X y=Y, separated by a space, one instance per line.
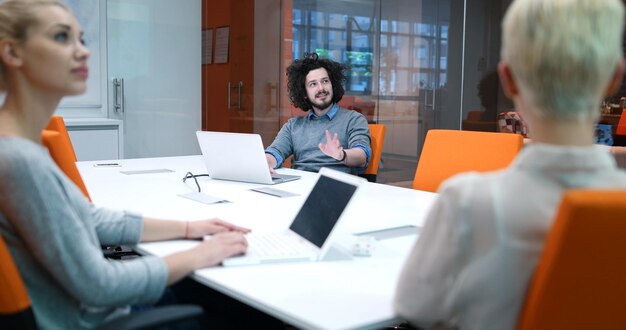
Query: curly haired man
x=327 y=135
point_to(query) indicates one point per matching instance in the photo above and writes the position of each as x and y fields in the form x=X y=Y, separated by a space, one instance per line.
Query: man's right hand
x=271 y=162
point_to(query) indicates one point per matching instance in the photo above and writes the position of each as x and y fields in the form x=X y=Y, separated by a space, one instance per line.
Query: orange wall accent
x=240 y=66
x=242 y=63
x=205 y=67
x=214 y=76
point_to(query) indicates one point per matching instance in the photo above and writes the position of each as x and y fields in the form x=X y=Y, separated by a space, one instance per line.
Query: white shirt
x=482 y=239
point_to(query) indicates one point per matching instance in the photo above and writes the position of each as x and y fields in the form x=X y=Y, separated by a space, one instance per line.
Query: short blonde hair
x=16 y=17
x=563 y=53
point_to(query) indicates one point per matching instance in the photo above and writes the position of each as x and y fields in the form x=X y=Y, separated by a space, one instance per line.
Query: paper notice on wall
x=207 y=46
x=221 y=44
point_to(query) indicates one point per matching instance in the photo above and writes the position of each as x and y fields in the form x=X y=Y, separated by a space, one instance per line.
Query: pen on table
x=107 y=164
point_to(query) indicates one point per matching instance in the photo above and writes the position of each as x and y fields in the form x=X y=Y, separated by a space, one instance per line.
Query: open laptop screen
x=322 y=209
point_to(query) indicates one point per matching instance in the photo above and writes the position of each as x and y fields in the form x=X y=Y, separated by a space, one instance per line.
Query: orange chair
x=57 y=124
x=579 y=281
x=377 y=133
x=16 y=310
x=57 y=140
x=448 y=152
x=621 y=125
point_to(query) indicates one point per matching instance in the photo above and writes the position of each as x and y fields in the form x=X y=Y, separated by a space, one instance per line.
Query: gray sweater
x=301 y=137
x=55 y=234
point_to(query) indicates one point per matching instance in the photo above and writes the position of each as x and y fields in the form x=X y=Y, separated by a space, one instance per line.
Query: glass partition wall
x=415 y=65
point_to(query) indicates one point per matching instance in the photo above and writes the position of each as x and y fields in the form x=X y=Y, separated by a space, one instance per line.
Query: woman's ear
x=9 y=53
x=509 y=86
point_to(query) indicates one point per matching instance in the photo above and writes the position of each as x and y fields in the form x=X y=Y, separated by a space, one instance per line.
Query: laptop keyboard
x=275 y=244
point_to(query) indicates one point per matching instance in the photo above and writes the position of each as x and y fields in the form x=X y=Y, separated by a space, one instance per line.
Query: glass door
x=414 y=74
x=153 y=54
x=415 y=65
x=400 y=74
x=267 y=60
x=241 y=70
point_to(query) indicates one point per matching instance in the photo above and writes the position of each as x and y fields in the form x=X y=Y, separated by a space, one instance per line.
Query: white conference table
x=347 y=294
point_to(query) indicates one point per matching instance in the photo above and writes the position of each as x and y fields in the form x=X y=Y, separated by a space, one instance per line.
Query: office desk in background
x=346 y=294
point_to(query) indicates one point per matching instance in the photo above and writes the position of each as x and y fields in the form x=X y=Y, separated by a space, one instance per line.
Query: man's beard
x=321 y=105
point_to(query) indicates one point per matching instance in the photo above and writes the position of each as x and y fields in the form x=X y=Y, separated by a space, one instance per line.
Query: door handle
x=239 y=86
x=273 y=92
x=433 y=99
x=230 y=87
x=118 y=94
x=228 y=95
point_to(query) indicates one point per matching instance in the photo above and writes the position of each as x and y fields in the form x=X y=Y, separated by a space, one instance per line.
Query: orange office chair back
x=621 y=125
x=57 y=140
x=377 y=132
x=15 y=307
x=448 y=152
x=580 y=282
x=58 y=125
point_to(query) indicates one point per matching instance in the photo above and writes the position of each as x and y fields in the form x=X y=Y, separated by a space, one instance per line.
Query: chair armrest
x=151 y=318
x=118 y=252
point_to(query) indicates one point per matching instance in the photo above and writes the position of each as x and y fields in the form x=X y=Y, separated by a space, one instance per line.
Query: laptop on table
x=309 y=237
x=237 y=157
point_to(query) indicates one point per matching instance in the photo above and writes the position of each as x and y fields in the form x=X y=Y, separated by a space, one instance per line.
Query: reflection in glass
x=415 y=64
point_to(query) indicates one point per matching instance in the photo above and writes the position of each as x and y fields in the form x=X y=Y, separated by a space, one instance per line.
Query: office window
x=409 y=47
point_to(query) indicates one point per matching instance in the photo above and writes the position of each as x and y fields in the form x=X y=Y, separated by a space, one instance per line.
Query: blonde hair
x=563 y=53
x=16 y=17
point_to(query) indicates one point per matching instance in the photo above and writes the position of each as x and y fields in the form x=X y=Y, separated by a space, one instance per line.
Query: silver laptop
x=237 y=157
x=310 y=236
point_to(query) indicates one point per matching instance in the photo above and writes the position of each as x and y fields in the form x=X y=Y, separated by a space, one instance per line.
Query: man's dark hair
x=299 y=69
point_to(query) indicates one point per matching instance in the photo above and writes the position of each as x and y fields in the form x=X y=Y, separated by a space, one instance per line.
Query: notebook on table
x=309 y=237
x=237 y=157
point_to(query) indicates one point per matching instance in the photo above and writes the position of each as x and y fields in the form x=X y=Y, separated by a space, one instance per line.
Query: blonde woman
x=472 y=262
x=53 y=232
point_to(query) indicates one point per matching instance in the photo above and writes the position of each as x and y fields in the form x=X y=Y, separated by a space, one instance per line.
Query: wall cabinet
x=96 y=139
x=153 y=48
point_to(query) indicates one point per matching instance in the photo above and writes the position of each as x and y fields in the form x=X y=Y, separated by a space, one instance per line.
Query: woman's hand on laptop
x=201 y=228
x=208 y=253
x=161 y=229
x=221 y=246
